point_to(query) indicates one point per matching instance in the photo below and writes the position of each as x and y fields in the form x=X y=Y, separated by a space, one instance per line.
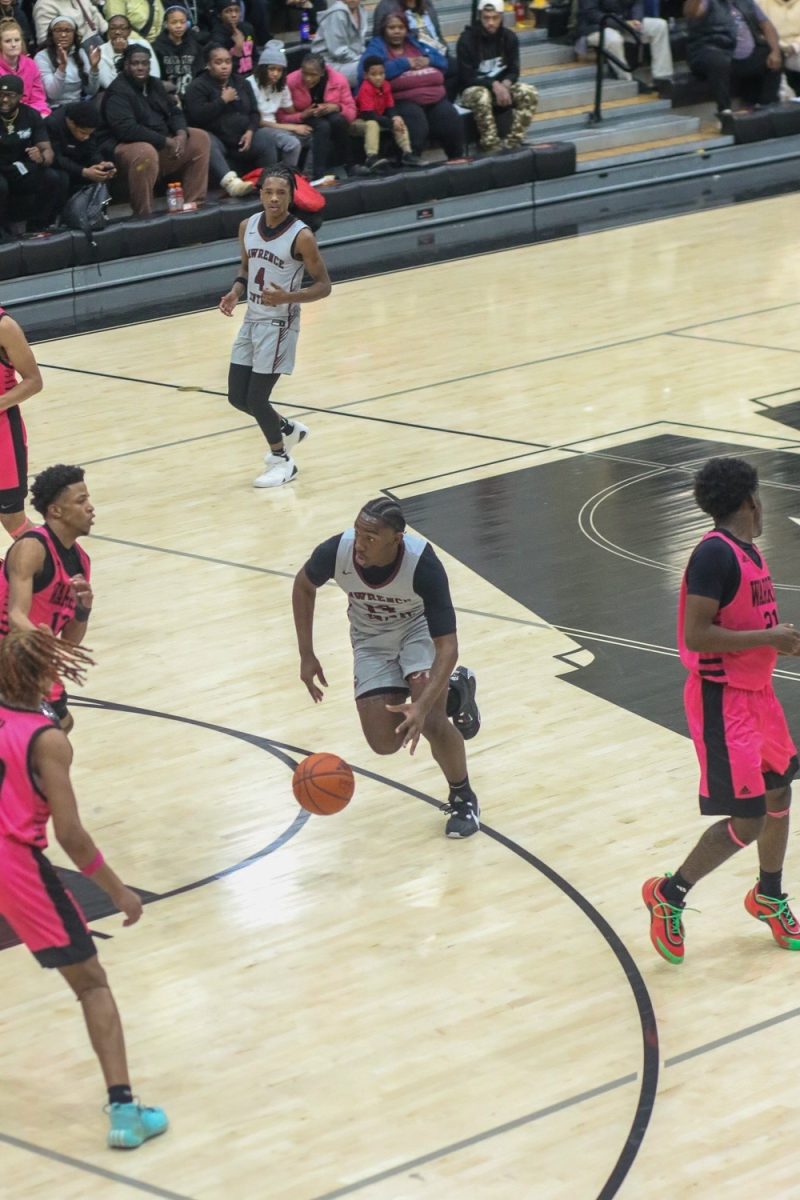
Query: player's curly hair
x=50 y=483
x=385 y=510
x=722 y=485
x=30 y=659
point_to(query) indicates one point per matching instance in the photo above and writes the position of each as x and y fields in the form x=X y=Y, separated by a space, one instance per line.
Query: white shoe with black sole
x=280 y=469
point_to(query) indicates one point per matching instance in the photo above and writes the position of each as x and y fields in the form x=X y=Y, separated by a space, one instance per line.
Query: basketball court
x=354 y=1005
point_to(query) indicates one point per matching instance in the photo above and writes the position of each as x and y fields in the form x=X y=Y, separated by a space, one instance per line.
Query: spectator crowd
x=145 y=93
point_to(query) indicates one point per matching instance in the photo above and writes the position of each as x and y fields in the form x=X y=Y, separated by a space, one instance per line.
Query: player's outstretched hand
x=128 y=903
x=410 y=728
x=310 y=669
x=786 y=639
x=228 y=303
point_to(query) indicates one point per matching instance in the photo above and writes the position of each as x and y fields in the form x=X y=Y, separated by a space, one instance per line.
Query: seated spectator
x=377 y=113
x=341 y=37
x=76 y=147
x=14 y=61
x=273 y=96
x=149 y=135
x=488 y=74
x=120 y=35
x=731 y=43
x=89 y=20
x=785 y=16
x=31 y=192
x=178 y=51
x=223 y=104
x=68 y=72
x=650 y=29
x=234 y=34
x=417 y=82
x=322 y=100
x=146 y=16
x=12 y=10
x=424 y=26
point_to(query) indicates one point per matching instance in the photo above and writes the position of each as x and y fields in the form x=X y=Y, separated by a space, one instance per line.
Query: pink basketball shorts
x=39 y=908
x=743 y=746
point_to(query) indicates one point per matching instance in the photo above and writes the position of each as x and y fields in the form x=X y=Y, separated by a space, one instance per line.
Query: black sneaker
x=461 y=706
x=464 y=818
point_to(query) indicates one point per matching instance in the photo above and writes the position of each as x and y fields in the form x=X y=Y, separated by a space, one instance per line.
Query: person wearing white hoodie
x=342 y=36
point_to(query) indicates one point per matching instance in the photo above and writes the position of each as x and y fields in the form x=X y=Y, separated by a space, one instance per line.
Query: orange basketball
x=323 y=783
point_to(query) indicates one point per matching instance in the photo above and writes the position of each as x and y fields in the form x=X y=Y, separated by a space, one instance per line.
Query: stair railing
x=604 y=55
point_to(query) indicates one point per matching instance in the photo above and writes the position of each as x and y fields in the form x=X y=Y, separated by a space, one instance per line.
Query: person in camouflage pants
x=488 y=71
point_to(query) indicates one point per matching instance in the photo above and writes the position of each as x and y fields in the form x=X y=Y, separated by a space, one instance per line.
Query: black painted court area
x=595 y=544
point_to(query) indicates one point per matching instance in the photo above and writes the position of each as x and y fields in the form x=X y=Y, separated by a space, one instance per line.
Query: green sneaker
x=132 y=1124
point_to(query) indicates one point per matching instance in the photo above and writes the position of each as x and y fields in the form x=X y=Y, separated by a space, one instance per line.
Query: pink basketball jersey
x=24 y=811
x=54 y=605
x=10 y=420
x=753 y=607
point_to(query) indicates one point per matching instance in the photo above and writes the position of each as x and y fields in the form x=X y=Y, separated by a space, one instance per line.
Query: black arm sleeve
x=713 y=571
x=432 y=586
x=322 y=563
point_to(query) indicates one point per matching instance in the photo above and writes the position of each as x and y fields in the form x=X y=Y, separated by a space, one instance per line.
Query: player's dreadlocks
x=387 y=511
x=29 y=660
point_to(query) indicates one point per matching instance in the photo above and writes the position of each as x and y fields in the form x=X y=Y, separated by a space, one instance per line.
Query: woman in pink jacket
x=14 y=61
x=323 y=100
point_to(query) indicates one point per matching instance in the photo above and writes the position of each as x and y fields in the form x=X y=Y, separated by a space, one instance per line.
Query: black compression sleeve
x=433 y=588
x=322 y=563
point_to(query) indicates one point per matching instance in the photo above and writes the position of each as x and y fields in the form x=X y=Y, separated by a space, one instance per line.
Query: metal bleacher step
x=576 y=95
x=632 y=128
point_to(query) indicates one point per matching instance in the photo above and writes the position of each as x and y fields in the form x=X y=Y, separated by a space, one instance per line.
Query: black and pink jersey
x=53 y=601
x=741 y=582
x=24 y=811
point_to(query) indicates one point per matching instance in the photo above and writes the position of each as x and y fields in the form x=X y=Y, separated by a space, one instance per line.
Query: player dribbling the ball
x=403 y=632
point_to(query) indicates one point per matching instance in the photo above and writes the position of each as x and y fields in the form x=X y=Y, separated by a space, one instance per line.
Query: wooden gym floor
x=354 y=1006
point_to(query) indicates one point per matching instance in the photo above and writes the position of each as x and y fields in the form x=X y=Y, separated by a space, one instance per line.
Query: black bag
x=86 y=210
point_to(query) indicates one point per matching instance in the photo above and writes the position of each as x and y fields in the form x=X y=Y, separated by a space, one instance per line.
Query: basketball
x=323 y=784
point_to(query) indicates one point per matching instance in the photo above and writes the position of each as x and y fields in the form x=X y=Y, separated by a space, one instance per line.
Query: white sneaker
x=298 y=432
x=235 y=186
x=279 y=470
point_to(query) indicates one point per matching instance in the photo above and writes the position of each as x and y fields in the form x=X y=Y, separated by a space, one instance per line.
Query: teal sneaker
x=132 y=1124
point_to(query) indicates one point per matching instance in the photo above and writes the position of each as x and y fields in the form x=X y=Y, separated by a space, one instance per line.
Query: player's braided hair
x=50 y=483
x=722 y=485
x=387 y=511
x=30 y=658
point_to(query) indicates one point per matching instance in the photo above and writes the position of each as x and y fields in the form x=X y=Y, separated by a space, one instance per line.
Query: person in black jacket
x=178 y=50
x=223 y=104
x=76 y=146
x=31 y=192
x=149 y=135
x=488 y=74
x=732 y=42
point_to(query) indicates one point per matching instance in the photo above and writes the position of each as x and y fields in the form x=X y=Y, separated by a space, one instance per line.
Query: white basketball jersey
x=269 y=260
x=393 y=605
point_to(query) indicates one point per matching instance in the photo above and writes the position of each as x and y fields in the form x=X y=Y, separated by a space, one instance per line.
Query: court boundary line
x=89 y=1168
x=700 y=337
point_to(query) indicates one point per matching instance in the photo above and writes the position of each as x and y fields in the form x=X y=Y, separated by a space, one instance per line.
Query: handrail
x=603 y=55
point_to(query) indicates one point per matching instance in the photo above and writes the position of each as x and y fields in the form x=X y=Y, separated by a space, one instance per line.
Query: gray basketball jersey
x=390 y=608
x=269 y=260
